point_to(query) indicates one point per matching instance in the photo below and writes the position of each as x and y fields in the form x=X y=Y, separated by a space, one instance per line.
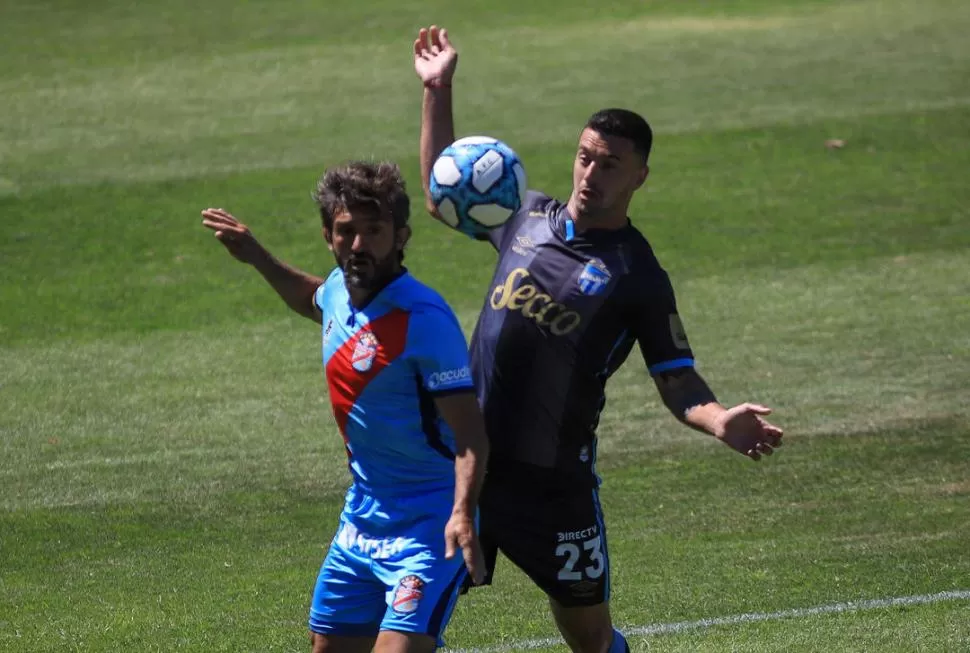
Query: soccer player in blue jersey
x=397 y=368
x=576 y=286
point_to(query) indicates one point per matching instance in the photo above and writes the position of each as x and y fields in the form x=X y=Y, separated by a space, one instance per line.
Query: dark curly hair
x=358 y=184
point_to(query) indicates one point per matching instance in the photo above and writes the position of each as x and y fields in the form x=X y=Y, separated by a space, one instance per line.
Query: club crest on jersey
x=594 y=278
x=408 y=594
x=364 y=352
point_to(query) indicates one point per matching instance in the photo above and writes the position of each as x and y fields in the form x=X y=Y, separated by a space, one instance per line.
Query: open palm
x=434 y=56
x=745 y=430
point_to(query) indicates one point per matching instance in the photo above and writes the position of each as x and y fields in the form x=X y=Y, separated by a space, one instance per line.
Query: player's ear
x=401 y=237
x=328 y=236
x=642 y=175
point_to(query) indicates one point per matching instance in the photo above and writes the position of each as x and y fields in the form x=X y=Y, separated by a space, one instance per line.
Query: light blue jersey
x=384 y=364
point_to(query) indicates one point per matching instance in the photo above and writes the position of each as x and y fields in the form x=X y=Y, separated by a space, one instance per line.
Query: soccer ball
x=477 y=183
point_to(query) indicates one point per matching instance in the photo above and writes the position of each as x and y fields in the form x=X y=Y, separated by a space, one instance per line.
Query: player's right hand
x=233 y=234
x=435 y=58
x=745 y=430
x=460 y=533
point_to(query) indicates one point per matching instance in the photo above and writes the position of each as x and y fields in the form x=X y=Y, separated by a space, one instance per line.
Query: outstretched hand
x=460 y=533
x=745 y=430
x=435 y=58
x=233 y=234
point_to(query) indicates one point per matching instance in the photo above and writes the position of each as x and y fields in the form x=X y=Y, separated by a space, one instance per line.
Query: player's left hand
x=745 y=430
x=460 y=533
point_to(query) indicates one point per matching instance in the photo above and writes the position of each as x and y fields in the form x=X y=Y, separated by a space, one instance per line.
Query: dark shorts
x=554 y=532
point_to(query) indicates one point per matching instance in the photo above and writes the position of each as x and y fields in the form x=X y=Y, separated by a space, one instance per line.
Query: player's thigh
x=556 y=536
x=340 y=644
x=422 y=585
x=391 y=641
x=348 y=599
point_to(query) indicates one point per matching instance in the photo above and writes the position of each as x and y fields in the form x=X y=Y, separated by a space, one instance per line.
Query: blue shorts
x=386 y=568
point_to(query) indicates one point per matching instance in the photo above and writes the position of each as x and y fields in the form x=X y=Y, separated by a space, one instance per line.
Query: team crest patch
x=594 y=278
x=407 y=595
x=365 y=352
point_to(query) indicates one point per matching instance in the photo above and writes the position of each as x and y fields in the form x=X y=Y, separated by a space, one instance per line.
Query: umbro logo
x=523 y=245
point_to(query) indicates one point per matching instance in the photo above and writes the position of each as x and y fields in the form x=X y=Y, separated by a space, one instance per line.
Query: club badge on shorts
x=407 y=595
x=364 y=352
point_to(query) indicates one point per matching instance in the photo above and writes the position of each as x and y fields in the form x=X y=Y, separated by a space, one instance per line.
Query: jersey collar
x=352 y=319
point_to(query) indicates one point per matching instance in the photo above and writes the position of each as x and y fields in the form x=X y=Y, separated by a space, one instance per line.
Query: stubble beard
x=372 y=276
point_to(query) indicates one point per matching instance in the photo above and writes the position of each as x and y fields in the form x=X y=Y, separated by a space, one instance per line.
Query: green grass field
x=170 y=471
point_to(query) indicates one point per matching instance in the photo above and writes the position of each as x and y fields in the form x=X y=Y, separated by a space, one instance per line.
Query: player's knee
x=586 y=631
x=318 y=643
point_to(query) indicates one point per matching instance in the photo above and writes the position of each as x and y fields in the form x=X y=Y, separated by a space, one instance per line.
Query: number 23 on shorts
x=589 y=559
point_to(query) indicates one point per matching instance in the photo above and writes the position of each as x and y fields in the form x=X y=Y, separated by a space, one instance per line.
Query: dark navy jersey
x=563 y=312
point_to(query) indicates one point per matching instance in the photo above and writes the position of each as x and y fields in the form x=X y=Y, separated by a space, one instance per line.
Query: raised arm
x=295 y=287
x=435 y=60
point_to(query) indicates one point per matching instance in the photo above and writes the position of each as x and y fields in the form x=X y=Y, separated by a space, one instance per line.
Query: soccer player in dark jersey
x=576 y=286
x=396 y=364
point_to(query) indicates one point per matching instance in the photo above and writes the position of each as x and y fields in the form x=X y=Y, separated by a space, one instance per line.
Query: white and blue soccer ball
x=477 y=183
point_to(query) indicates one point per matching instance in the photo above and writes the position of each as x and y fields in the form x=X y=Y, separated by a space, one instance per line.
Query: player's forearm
x=469 y=475
x=705 y=417
x=689 y=398
x=294 y=286
x=470 y=461
x=437 y=131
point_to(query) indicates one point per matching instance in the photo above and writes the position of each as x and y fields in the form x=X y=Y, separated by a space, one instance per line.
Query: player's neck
x=361 y=297
x=610 y=221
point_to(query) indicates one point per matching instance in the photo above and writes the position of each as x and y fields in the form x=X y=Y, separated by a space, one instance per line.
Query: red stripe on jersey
x=361 y=358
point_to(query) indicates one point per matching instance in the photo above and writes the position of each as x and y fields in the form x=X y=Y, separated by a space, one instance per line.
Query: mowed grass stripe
x=294 y=105
x=845 y=350
x=681 y=531
x=171 y=472
x=82 y=263
x=747 y=618
x=107 y=32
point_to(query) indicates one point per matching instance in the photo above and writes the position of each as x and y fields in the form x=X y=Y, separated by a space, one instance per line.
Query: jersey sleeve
x=498 y=236
x=322 y=291
x=658 y=328
x=438 y=349
x=319 y=296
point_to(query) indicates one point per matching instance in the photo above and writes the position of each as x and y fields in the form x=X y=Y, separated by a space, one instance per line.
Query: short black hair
x=625 y=124
x=363 y=183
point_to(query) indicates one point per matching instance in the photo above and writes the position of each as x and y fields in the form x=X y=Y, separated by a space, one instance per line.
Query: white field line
x=681 y=626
